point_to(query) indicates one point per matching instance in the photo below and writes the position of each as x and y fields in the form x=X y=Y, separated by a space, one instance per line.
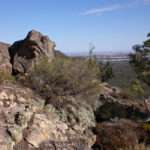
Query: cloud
x=102 y=10
x=114 y=7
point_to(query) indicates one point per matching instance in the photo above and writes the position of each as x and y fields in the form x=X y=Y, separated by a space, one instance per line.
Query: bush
x=141 y=62
x=145 y=76
x=6 y=77
x=64 y=76
x=135 y=90
x=107 y=72
x=146 y=126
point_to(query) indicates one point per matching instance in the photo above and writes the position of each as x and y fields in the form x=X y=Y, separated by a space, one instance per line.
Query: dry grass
x=6 y=77
x=64 y=76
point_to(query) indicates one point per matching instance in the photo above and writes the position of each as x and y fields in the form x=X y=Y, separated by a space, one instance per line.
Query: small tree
x=136 y=88
x=91 y=49
x=107 y=72
x=91 y=58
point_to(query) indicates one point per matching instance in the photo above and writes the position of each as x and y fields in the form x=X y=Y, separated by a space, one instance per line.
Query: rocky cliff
x=26 y=123
x=25 y=53
x=105 y=119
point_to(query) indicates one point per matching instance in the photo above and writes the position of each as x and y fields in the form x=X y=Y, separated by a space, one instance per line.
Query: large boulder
x=27 y=124
x=25 y=53
x=17 y=105
x=5 y=64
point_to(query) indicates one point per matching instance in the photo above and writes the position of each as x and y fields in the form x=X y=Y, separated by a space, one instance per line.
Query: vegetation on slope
x=64 y=76
x=140 y=59
x=6 y=77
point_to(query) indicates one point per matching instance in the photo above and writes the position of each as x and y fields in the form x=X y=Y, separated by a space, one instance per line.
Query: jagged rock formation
x=27 y=124
x=17 y=106
x=5 y=64
x=25 y=53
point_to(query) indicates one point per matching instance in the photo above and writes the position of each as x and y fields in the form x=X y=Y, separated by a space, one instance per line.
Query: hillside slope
x=123 y=74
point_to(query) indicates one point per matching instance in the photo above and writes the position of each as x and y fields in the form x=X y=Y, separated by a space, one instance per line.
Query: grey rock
x=26 y=53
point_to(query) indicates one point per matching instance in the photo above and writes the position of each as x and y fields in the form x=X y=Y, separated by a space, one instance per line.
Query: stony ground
x=26 y=123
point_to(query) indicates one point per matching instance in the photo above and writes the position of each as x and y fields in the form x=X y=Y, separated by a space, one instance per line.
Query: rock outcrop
x=27 y=124
x=102 y=119
x=17 y=106
x=25 y=53
x=5 y=64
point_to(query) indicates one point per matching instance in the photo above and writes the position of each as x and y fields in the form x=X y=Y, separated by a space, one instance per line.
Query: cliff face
x=22 y=55
x=102 y=119
x=25 y=53
x=26 y=123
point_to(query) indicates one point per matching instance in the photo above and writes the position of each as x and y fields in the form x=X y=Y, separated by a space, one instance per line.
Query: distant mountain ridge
x=108 y=53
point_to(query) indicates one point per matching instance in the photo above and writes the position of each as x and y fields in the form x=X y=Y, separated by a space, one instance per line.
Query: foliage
x=145 y=76
x=148 y=35
x=107 y=72
x=146 y=126
x=136 y=88
x=64 y=76
x=110 y=111
x=140 y=60
x=6 y=77
x=147 y=43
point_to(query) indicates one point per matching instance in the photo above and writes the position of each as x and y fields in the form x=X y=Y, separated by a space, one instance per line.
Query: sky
x=110 y=25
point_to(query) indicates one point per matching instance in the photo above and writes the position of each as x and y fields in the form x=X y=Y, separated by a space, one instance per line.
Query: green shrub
x=145 y=76
x=141 y=62
x=146 y=126
x=135 y=90
x=64 y=76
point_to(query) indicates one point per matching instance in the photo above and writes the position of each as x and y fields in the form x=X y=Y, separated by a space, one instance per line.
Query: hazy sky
x=111 y=25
